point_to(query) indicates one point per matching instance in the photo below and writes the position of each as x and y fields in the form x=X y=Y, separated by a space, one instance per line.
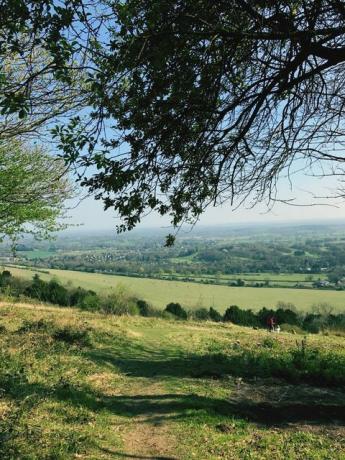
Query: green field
x=37 y=254
x=78 y=385
x=161 y=292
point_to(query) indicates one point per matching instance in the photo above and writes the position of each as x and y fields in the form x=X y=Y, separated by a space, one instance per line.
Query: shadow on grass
x=326 y=407
x=323 y=409
x=133 y=456
x=292 y=366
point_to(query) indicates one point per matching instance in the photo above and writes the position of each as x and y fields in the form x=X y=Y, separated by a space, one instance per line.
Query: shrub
x=5 y=278
x=241 y=317
x=313 y=323
x=177 y=310
x=120 y=302
x=147 y=310
x=214 y=315
x=14 y=286
x=270 y=342
x=144 y=307
x=52 y=291
x=56 y=293
x=336 y=321
x=287 y=316
x=201 y=314
x=37 y=289
x=90 y=302
x=76 y=296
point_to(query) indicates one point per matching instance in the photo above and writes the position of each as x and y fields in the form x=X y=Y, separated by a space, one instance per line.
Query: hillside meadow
x=191 y=295
x=88 y=386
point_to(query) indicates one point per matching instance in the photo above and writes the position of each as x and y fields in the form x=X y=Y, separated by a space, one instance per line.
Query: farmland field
x=161 y=292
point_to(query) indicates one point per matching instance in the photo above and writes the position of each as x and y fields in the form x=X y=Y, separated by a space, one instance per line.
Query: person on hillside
x=271 y=323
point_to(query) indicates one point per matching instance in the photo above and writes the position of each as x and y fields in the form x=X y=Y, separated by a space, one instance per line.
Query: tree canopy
x=191 y=103
x=33 y=189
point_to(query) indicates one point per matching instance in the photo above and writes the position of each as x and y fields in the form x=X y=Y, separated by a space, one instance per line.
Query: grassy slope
x=146 y=388
x=160 y=293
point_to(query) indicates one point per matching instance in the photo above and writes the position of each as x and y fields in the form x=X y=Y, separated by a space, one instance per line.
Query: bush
x=90 y=302
x=37 y=289
x=313 y=323
x=241 y=317
x=77 y=296
x=52 y=291
x=177 y=310
x=120 y=302
x=5 y=278
x=144 y=307
x=270 y=342
x=201 y=314
x=56 y=293
x=147 y=310
x=11 y=286
x=287 y=316
x=214 y=315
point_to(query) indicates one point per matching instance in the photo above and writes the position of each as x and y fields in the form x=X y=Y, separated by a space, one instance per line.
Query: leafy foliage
x=242 y=317
x=33 y=189
x=201 y=103
x=177 y=310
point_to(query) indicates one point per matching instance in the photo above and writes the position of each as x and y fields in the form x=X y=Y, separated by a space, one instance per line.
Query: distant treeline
x=120 y=302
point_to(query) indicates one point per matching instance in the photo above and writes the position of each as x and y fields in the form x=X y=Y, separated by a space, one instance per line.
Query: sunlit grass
x=82 y=385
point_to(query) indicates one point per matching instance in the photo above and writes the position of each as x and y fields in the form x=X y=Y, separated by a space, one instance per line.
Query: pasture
x=192 y=295
x=78 y=385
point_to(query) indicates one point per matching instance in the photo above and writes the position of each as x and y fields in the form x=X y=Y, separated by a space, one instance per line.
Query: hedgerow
x=121 y=302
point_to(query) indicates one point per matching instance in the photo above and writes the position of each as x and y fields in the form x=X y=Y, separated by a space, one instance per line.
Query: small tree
x=215 y=315
x=177 y=310
x=144 y=307
x=236 y=315
x=33 y=189
x=336 y=275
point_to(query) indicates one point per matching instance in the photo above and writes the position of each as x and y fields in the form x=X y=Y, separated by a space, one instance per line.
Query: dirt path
x=149 y=440
x=149 y=436
x=146 y=431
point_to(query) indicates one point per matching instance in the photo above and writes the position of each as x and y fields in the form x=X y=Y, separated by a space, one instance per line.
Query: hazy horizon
x=89 y=215
x=310 y=198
